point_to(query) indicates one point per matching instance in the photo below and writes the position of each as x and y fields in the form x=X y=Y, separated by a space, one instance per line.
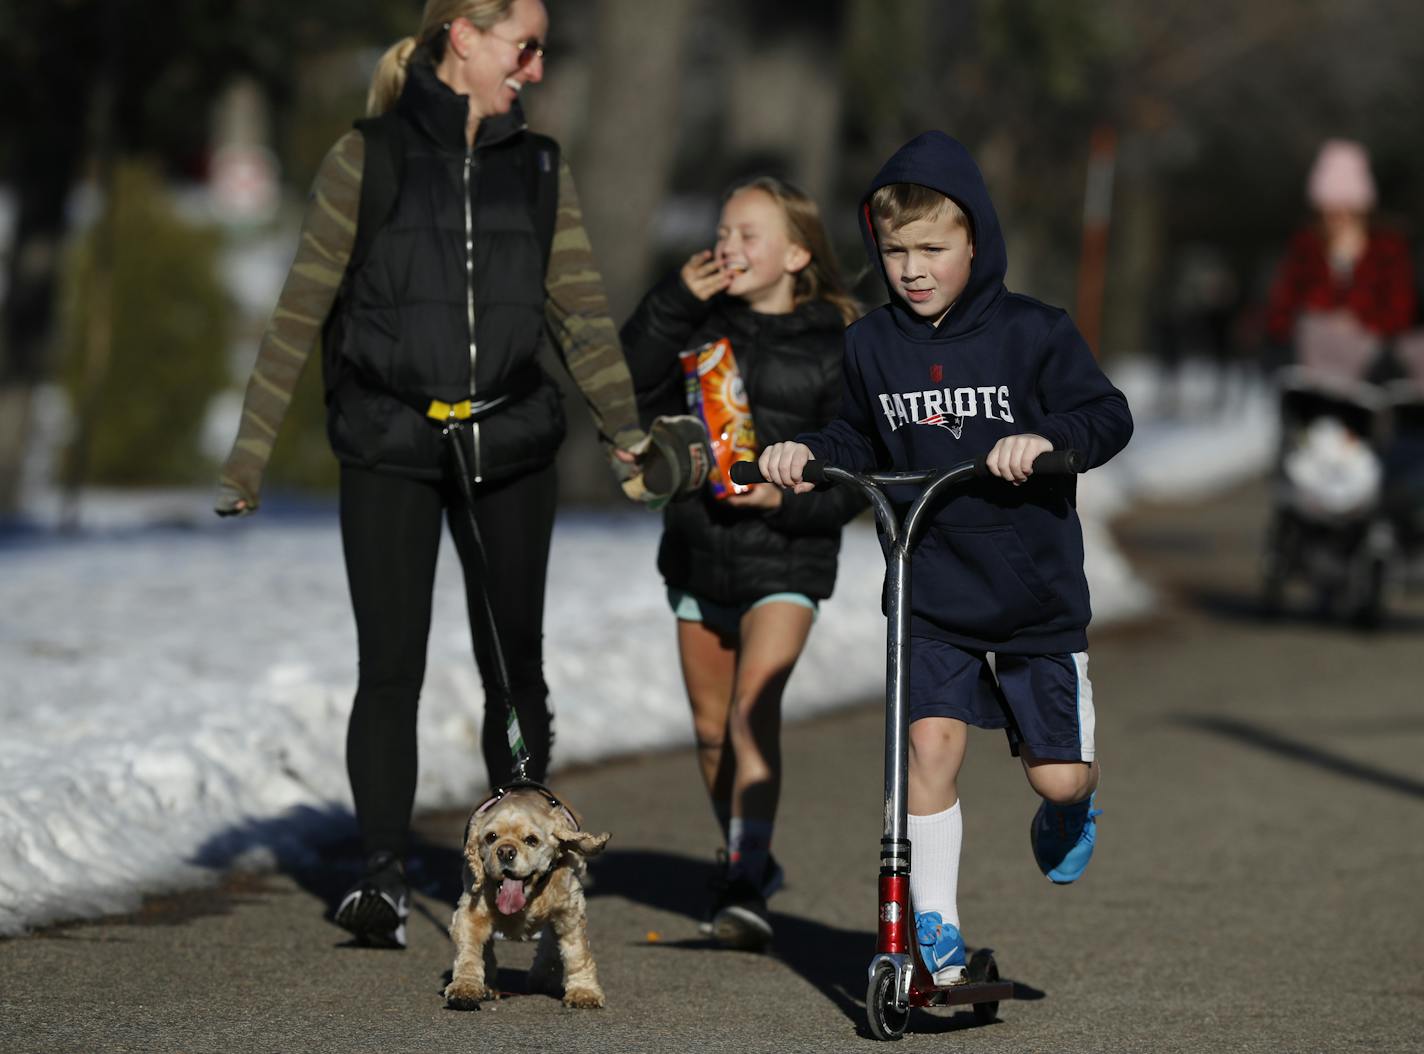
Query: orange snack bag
x=716 y=394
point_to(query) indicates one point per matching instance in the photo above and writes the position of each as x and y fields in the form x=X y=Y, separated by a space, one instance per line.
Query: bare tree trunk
x=46 y=156
x=632 y=134
x=27 y=325
x=623 y=168
x=1137 y=251
x=785 y=101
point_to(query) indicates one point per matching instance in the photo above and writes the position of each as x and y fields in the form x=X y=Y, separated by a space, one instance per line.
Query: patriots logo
x=953 y=422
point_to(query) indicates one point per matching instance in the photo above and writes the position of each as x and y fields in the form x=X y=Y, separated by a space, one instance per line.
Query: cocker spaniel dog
x=524 y=857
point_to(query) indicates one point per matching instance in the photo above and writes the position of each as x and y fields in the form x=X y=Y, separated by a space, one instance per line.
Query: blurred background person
x=1354 y=272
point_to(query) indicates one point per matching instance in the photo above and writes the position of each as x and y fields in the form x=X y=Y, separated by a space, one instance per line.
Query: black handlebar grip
x=1058 y=463
x=745 y=473
x=1051 y=463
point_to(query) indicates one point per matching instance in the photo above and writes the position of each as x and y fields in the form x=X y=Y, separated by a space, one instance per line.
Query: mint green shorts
x=727 y=618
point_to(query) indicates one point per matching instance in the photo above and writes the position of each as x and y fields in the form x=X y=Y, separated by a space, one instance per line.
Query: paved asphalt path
x=1257 y=885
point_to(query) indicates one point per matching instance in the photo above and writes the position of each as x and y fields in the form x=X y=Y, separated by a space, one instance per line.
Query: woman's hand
x=1013 y=456
x=760 y=496
x=703 y=276
x=231 y=502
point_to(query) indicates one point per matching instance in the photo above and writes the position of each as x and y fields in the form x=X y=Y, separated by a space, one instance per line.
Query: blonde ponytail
x=389 y=78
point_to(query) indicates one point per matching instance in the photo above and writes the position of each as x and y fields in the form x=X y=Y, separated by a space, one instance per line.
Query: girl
x=745 y=574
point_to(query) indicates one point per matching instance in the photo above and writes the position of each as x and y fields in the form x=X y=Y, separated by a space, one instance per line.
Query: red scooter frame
x=899 y=981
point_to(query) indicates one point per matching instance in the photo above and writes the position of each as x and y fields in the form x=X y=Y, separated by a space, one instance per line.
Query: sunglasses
x=529 y=50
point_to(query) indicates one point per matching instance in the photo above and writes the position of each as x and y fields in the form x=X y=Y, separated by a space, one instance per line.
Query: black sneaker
x=375 y=908
x=739 y=917
x=772 y=879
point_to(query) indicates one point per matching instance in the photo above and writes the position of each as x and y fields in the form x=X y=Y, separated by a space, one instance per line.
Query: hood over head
x=937 y=161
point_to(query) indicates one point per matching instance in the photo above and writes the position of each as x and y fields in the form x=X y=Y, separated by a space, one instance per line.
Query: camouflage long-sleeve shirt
x=575 y=307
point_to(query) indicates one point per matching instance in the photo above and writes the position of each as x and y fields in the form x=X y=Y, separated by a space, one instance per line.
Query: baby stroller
x=1342 y=517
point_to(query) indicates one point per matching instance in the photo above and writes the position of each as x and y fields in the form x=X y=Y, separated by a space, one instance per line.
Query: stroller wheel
x=1277 y=559
x=1273 y=590
x=1367 y=610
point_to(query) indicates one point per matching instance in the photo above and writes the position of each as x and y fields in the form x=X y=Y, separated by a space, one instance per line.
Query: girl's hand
x=703 y=276
x=761 y=496
x=783 y=463
x=1013 y=456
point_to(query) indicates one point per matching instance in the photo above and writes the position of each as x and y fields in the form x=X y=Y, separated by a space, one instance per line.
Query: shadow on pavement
x=831 y=959
x=1282 y=746
x=666 y=881
x=320 y=849
x=1246 y=607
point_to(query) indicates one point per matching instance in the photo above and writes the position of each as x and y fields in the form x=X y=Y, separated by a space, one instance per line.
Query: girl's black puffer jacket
x=791 y=365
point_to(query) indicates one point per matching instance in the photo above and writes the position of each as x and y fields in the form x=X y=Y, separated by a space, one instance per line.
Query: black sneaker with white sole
x=739 y=917
x=375 y=909
x=772 y=879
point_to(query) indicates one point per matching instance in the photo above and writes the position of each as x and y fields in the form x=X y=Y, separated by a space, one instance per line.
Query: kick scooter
x=899 y=981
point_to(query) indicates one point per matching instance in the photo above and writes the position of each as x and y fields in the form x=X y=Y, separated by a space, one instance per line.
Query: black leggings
x=390 y=531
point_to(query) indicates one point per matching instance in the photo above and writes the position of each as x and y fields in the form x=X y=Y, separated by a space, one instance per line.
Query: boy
x=953 y=366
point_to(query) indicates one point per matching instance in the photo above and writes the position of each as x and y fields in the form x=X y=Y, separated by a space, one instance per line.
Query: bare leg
x=937 y=747
x=709 y=665
x=1061 y=782
x=773 y=636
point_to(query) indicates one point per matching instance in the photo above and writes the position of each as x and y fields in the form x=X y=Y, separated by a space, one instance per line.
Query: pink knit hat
x=1340 y=177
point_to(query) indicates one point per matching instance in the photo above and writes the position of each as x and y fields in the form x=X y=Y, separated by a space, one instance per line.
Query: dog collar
x=517 y=785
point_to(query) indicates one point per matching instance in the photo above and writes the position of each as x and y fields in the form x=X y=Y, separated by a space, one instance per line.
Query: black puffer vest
x=791 y=365
x=448 y=303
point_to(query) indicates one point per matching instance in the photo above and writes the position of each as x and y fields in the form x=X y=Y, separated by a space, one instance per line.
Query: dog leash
x=453 y=428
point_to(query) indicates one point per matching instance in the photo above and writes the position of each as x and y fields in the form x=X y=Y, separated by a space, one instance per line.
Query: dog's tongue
x=511 y=896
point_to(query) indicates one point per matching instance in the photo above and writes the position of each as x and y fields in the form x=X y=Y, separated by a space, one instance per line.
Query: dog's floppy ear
x=472 y=854
x=584 y=843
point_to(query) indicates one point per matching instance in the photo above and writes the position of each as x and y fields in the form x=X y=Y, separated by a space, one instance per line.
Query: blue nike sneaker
x=1063 y=837
x=941 y=947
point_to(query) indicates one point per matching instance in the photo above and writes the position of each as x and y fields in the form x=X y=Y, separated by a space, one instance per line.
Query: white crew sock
x=935 y=843
x=748 y=846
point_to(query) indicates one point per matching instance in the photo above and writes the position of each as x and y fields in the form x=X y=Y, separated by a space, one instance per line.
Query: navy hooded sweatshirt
x=1000 y=568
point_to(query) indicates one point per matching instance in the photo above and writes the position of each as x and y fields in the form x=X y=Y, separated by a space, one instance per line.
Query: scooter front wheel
x=887 y=1021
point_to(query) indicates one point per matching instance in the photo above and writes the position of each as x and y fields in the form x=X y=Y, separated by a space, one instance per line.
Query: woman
x=447 y=303
x=1343 y=271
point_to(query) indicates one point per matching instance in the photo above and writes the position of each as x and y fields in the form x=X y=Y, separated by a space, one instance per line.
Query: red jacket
x=1379 y=292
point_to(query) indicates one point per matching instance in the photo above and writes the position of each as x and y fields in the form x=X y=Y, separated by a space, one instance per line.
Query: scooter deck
x=964 y=994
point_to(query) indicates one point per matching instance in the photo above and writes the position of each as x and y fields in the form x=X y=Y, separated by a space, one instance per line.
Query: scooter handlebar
x=1053 y=463
x=745 y=473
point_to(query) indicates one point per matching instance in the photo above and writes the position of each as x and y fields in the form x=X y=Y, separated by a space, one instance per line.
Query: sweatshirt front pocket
x=979 y=581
